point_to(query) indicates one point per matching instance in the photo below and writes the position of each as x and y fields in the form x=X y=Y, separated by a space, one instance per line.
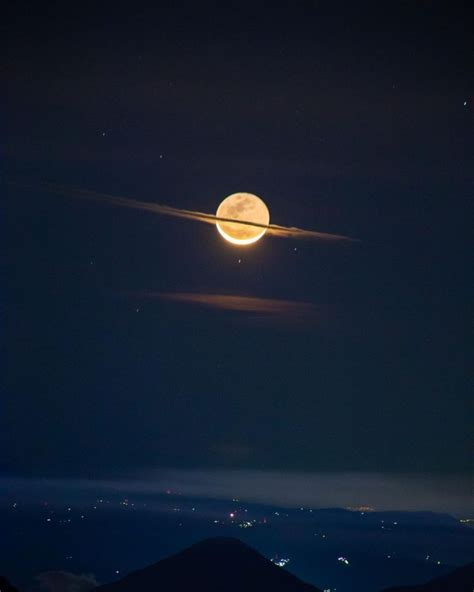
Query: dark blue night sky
x=134 y=342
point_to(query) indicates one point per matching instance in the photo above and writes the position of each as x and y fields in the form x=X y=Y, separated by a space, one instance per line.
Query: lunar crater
x=244 y=207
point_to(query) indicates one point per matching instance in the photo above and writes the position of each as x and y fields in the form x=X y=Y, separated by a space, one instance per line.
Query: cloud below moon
x=245 y=304
x=164 y=210
x=265 y=312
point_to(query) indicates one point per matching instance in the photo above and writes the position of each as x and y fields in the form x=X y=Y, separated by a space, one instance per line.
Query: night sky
x=344 y=119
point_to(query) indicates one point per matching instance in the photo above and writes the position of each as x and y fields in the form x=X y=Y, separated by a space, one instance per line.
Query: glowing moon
x=248 y=208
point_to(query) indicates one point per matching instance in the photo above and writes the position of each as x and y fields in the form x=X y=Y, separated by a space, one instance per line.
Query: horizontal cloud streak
x=403 y=492
x=441 y=493
x=164 y=210
x=248 y=304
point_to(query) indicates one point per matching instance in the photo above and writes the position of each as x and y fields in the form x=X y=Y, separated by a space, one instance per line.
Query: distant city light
x=280 y=562
x=343 y=560
x=361 y=509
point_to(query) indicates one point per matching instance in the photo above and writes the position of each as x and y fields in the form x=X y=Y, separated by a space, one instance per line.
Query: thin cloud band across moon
x=241 y=218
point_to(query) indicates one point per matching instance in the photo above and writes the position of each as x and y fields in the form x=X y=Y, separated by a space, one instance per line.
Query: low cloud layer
x=321 y=490
x=438 y=493
x=64 y=581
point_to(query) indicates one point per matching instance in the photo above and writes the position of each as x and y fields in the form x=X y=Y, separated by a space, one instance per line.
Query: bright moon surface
x=248 y=208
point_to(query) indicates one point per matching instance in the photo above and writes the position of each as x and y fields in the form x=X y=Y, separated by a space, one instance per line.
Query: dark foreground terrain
x=460 y=580
x=224 y=564
x=107 y=535
x=215 y=565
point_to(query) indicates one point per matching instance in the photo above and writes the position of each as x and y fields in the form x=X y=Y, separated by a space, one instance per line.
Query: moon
x=247 y=208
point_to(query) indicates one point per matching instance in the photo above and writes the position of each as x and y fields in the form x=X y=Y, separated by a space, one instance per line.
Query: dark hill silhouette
x=459 y=580
x=213 y=565
x=5 y=585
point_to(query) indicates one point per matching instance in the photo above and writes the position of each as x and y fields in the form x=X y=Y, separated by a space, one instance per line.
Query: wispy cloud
x=255 y=310
x=164 y=210
x=244 y=304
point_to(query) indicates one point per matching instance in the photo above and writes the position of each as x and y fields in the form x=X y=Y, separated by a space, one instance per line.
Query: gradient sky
x=346 y=121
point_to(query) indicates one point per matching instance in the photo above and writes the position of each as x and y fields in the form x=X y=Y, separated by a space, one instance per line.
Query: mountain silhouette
x=459 y=580
x=213 y=565
x=5 y=585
